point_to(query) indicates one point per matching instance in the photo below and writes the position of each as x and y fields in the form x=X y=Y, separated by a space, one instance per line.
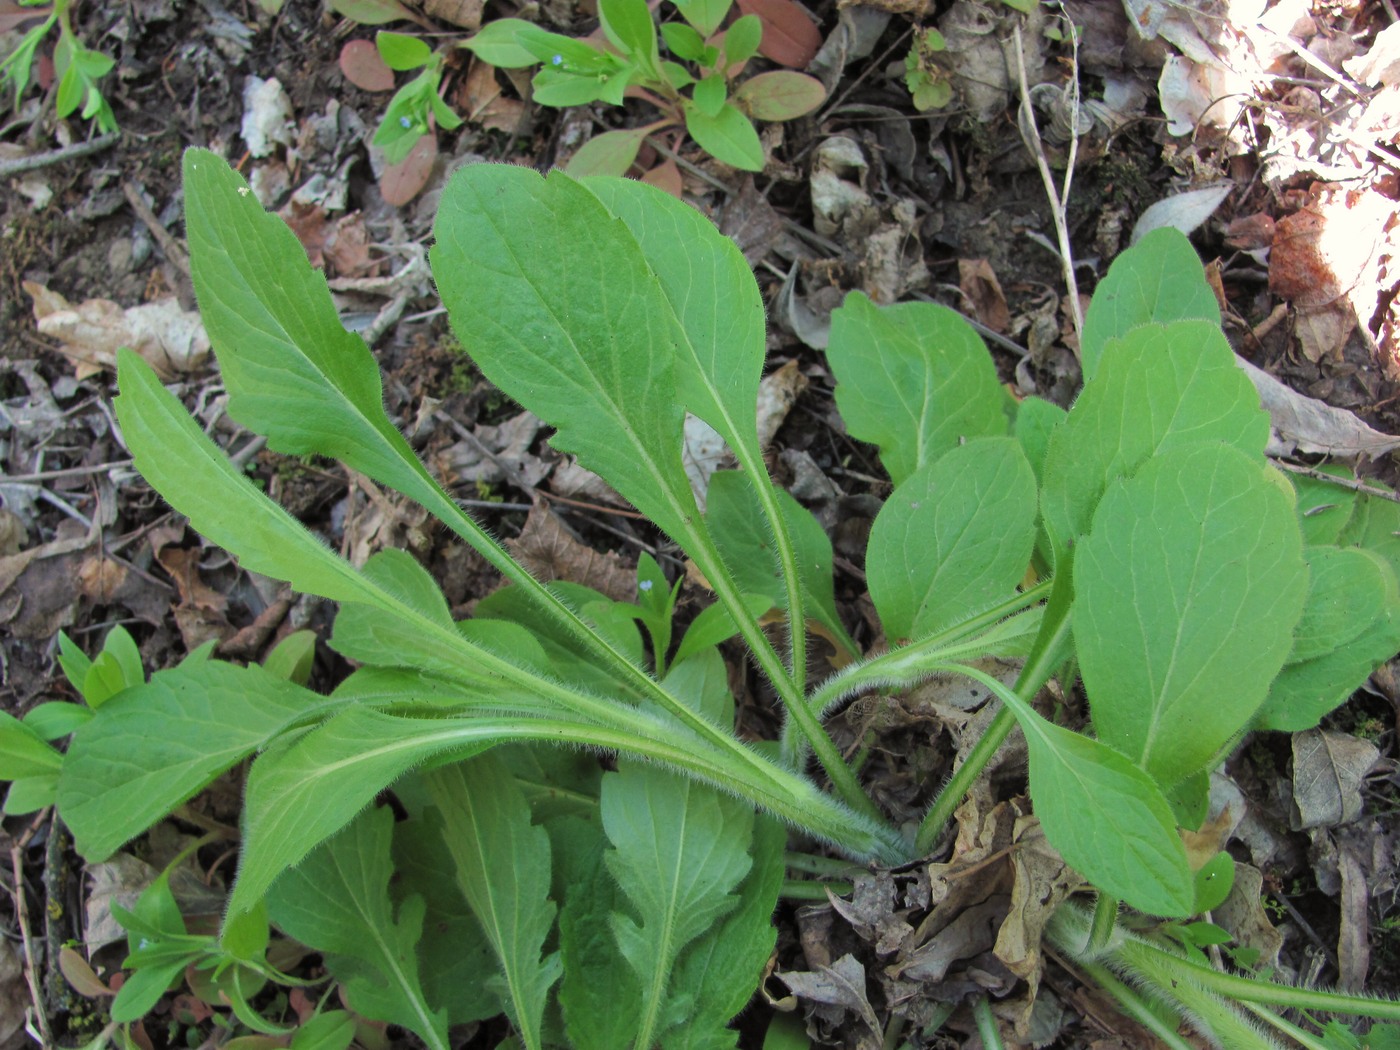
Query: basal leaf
x=556 y=303
x=292 y=371
x=1036 y=420
x=309 y=786
x=1105 y=816
x=222 y=503
x=601 y=995
x=503 y=867
x=722 y=969
x=1158 y=280
x=1374 y=525
x=1158 y=388
x=1347 y=592
x=1323 y=508
x=780 y=95
x=1187 y=591
x=711 y=292
x=452 y=950
x=679 y=851
x=932 y=385
x=1307 y=689
x=152 y=747
x=740 y=530
x=954 y=538
x=337 y=902
x=611 y=153
x=23 y=753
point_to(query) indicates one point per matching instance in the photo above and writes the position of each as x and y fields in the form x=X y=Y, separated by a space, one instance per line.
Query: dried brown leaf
x=549 y=552
x=1328 y=770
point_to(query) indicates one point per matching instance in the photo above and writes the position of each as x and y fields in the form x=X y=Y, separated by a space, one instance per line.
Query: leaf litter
x=889 y=241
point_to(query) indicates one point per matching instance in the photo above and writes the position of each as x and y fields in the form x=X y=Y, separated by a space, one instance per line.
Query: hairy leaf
x=152 y=747
x=1107 y=818
x=1159 y=280
x=1160 y=387
x=932 y=385
x=953 y=539
x=1187 y=590
x=581 y=336
x=503 y=866
x=337 y=902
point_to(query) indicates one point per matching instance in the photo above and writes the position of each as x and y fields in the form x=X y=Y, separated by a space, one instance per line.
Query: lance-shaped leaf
x=1187 y=591
x=953 y=539
x=932 y=385
x=1107 y=818
x=503 y=867
x=555 y=302
x=337 y=902
x=1158 y=388
x=292 y=371
x=1157 y=281
x=154 y=746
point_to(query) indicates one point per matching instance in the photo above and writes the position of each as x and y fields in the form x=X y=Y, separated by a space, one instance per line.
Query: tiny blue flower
x=644 y=585
x=557 y=60
x=404 y=122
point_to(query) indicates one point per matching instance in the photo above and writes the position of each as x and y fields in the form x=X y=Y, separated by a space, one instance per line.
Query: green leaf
x=151 y=748
x=308 y=786
x=953 y=539
x=1187 y=591
x=1036 y=420
x=1105 y=816
x=628 y=25
x=31 y=794
x=332 y=1030
x=600 y=993
x=503 y=867
x=582 y=338
x=727 y=135
x=709 y=95
x=292 y=372
x=684 y=42
x=714 y=624
x=23 y=752
x=611 y=153
x=931 y=385
x=742 y=38
x=453 y=952
x=144 y=987
x=1374 y=525
x=780 y=95
x=74 y=662
x=680 y=849
x=370 y=12
x=1306 y=690
x=1158 y=280
x=402 y=52
x=723 y=967
x=337 y=902
x=1159 y=388
x=741 y=533
x=293 y=657
x=704 y=15
x=1347 y=594
x=495 y=44
x=1323 y=508
x=1213 y=882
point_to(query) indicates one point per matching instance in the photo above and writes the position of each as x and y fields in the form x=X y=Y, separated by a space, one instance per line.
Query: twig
x=20 y=165
x=26 y=938
x=68 y=472
x=1059 y=199
x=1355 y=485
x=173 y=249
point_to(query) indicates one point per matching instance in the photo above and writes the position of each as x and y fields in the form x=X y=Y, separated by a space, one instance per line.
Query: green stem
x=1046 y=655
x=987 y=1024
x=814 y=865
x=1130 y=1002
x=1305 y=1039
x=1105 y=920
x=811 y=890
x=702 y=551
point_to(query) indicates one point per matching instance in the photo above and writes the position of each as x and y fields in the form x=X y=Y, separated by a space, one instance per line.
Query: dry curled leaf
x=1328 y=770
x=170 y=339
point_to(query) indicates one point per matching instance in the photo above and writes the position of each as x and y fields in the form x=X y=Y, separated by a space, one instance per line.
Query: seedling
x=706 y=97
x=78 y=68
x=1169 y=564
x=417 y=108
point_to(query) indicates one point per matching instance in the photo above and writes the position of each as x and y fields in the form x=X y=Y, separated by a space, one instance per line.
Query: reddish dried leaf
x=362 y=65
x=81 y=976
x=979 y=283
x=790 y=37
x=781 y=95
x=401 y=182
x=463 y=13
x=666 y=176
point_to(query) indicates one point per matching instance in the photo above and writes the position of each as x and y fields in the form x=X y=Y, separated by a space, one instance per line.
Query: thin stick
x=173 y=249
x=68 y=472
x=1342 y=483
x=26 y=938
x=20 y=165
x=1059 y=199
